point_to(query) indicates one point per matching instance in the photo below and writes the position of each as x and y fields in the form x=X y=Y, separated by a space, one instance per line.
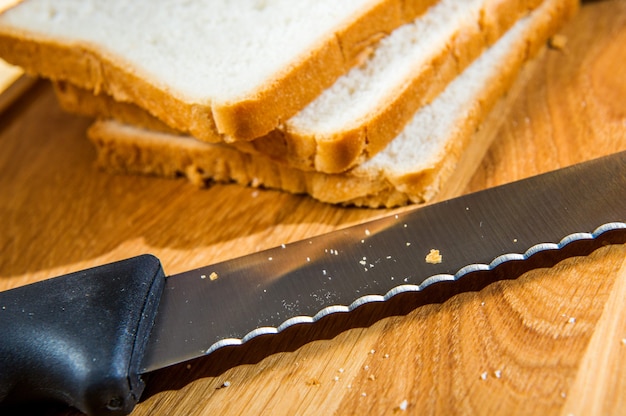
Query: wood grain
x=548 y=342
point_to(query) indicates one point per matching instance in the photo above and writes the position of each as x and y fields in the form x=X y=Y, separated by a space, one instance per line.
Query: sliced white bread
x=365 y=109
x=221 y=67
x=449 y=135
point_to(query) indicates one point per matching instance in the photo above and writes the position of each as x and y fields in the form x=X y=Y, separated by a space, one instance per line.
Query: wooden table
x=552 y=341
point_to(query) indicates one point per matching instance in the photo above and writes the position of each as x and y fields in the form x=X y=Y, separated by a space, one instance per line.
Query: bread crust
x=248 y=118
x=78 y=64
x=468 y=140
x=78 y=100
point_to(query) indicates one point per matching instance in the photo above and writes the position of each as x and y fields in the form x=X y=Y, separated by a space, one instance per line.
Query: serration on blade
x=232 y=302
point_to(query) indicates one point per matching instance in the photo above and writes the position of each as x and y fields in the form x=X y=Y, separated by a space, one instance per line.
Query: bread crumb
x=371 y=377
x=224 y=385
x=404 y=404
x=213 y=276
x=434 y=257
x=203 y=276
x=194 y=175
x=558 y=42
x=498 y=373
x=484 y=375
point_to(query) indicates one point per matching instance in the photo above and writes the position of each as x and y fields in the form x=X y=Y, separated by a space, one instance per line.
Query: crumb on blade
x=434 y=257
x=213 y=276
x=558 y=42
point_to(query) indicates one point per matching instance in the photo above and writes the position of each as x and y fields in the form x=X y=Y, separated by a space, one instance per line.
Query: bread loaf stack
x=363 y=102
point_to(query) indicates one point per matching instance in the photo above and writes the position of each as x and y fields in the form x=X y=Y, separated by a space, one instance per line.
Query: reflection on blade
x=416 y=288
x=264 y=293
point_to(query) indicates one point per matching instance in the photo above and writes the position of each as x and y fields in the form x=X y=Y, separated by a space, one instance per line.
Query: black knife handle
x=80 y=338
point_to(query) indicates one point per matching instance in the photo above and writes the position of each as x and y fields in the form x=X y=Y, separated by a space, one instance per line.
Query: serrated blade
x=264 y=293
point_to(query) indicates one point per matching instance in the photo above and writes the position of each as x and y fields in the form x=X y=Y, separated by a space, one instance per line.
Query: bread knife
x=87 y=338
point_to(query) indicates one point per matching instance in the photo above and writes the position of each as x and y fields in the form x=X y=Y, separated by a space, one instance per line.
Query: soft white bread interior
x=447 y=136
x=365 y=109
x=233 y=68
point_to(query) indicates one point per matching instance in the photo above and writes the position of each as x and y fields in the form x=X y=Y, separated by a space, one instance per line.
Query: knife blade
x=86 y=338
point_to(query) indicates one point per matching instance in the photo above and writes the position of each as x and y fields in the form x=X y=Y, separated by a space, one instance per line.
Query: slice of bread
x=225 y=68
x=365 y=109
x=447 y=136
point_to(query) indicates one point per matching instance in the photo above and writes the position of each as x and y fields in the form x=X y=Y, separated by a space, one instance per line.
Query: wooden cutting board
x=553 y=341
